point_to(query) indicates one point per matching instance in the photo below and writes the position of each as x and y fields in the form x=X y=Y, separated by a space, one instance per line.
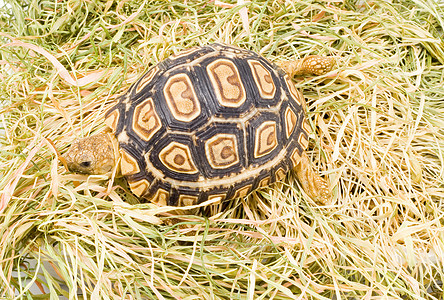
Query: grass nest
x=378 y=136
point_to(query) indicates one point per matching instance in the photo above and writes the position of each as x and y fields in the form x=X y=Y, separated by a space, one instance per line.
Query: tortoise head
x=96 y=154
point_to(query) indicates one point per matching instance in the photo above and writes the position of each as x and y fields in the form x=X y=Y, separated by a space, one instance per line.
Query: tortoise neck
x=116 y=149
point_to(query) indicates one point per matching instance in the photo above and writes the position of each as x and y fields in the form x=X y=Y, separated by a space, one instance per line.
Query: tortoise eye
x=85 y=164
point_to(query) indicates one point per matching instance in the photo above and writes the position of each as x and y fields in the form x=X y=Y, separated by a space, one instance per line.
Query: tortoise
x=213 y=122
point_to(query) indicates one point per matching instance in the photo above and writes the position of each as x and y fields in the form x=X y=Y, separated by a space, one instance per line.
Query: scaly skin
x=96 y=154
x=312 y=64
x=313 y=184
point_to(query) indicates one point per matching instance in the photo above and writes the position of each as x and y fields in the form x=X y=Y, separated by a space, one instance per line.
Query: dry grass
x=378 y=135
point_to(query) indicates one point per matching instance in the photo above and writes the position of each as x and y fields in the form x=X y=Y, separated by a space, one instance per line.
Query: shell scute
x=209 y=123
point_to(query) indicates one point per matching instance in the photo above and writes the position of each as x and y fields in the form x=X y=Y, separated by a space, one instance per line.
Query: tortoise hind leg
x=312 y=64
x=313 y=184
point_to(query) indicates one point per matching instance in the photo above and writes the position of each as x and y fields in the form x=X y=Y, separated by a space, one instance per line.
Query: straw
x=377 y=123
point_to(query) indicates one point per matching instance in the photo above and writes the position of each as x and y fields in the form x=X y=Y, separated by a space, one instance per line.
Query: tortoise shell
x=210 y=122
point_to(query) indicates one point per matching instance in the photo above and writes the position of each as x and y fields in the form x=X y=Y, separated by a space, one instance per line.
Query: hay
x=378 y=136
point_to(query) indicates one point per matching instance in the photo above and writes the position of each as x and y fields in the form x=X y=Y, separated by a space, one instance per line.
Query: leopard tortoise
x=212 y=122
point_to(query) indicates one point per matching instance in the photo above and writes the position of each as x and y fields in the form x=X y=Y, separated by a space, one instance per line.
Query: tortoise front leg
x=312 y=64
x=313 y=184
